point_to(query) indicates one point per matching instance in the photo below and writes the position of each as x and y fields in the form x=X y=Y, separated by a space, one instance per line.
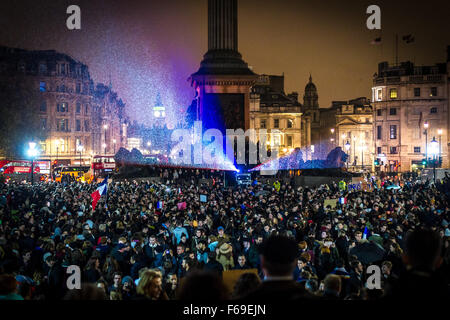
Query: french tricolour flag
x=97 y=194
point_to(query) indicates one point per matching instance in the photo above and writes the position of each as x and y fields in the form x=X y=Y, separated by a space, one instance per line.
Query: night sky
x=150 y=46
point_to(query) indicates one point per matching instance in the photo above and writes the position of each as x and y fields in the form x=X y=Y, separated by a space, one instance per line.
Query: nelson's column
x=223 y=82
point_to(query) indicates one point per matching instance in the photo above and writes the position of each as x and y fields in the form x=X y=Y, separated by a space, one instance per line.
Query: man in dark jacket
x=242 y=263
x=422 y=280
x=278 y=260
x=213 y=264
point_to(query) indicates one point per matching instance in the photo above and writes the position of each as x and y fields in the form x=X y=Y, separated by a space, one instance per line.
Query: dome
x=310 y=86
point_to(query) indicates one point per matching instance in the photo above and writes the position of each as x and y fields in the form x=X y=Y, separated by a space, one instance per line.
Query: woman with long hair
x=150 y=286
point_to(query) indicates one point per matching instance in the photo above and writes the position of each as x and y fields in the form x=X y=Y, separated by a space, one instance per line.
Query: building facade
x=79 y=118
x=349 y=125
x=411 y=108
x=279 y=113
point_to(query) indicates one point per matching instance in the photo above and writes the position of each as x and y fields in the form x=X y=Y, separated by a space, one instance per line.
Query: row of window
x=64 y=145
x=62 y=125
x=393 y=111
x=63 y=88
x=276 y=123
x=393 y=93
x=64 y=107
x=394 y=150
x=392 y=132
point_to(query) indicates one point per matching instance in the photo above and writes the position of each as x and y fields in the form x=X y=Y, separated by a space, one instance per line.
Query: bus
x=80 y=173
x=102 y=165
x=24 y=166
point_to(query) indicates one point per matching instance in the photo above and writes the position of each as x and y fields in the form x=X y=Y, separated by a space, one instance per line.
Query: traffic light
x=424 y=162
x=377 y=162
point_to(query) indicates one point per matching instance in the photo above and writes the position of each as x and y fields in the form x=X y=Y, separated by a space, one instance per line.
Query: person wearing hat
x=225 y=256
x=221 y=237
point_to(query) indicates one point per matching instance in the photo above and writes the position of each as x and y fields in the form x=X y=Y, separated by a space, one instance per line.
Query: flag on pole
x=101 y=191
x=159 y=204
x=408 y=38
x=376 y=41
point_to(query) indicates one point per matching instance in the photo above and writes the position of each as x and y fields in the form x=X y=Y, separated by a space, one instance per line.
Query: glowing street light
x=440 y=137
x=434 y=152
x=347 y=148
x=425 y=125
x=32 y=153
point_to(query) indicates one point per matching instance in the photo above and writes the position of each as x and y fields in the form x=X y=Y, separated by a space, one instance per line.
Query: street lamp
x=332 y=139
x=347 y=148
x=363 y=148
x=114 y=142
x=440 y=148
x=32 y=153
x=80 y=150
x=105 y=127
x=425 y=125
x=434 y=151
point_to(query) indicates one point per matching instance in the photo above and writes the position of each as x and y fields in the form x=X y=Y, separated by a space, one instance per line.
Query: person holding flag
x=101 y=190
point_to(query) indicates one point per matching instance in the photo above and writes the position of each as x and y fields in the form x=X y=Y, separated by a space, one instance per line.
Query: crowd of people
x=174 y=239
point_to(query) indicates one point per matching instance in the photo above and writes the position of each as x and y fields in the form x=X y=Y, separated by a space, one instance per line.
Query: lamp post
x=425 y=125
x=434 y=151
x=80 y=150
x=440 y=148
x=343 y=138
x=114 y=143
x=332 y=137
x=362 y=156
x=32 y=153
x=347 y=148
x=105 y=127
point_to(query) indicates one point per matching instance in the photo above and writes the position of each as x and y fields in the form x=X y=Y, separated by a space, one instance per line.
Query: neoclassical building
x=81 y=119
x=411 y=107
x=279 y=113
x=350 y=123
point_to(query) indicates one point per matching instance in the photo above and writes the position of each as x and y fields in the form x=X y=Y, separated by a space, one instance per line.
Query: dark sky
x=150 y=46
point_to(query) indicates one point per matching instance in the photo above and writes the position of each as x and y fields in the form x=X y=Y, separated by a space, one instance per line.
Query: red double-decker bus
x=23 y=166
x=102 y=165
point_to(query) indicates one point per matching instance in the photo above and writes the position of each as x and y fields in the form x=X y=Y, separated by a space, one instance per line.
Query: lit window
x=289 y=141
x=393 y=93
x=393 y=132
x=262 y=124
x=379 y=94
x=433 y=92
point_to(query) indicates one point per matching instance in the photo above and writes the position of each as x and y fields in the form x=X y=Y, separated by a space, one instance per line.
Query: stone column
x=222 y=25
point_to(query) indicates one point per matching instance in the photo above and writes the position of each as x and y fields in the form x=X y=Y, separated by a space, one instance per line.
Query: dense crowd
x=173 y=239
